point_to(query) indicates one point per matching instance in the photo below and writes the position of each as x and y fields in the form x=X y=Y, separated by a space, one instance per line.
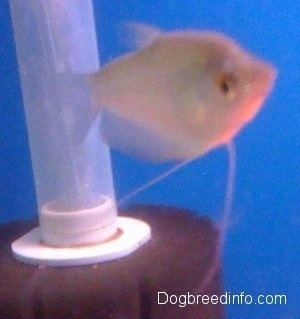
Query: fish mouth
x=263 y=76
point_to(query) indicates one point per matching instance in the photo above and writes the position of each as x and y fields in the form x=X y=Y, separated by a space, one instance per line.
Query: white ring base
x=31 y=250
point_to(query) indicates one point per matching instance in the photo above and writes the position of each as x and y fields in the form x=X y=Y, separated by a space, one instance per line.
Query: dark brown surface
x=175 y=260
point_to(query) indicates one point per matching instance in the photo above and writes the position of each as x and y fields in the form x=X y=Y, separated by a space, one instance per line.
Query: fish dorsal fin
x=138 y=35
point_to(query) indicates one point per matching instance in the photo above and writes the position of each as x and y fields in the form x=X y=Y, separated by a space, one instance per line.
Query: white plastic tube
x=56 y=47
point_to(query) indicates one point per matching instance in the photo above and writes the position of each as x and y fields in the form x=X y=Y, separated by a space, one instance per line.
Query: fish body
x=179 y=96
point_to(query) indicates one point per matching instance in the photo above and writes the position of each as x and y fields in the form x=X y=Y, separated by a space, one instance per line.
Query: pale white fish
x=180 y=95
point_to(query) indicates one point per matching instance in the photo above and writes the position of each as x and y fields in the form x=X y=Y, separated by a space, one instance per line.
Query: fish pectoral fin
x=137 y=35
x=135 y=139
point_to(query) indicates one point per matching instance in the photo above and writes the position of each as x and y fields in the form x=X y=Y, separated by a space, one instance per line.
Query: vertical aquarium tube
x=56 y=47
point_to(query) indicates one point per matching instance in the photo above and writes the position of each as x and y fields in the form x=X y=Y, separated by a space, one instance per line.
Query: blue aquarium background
x=262 y=253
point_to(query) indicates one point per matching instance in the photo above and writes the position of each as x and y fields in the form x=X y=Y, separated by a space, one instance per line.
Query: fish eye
x=225 y=83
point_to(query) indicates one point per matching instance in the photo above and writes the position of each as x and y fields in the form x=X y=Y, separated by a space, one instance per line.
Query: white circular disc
x=131 y=235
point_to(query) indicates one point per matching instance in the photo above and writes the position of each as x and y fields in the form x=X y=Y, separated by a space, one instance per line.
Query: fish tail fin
x=88 y=112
